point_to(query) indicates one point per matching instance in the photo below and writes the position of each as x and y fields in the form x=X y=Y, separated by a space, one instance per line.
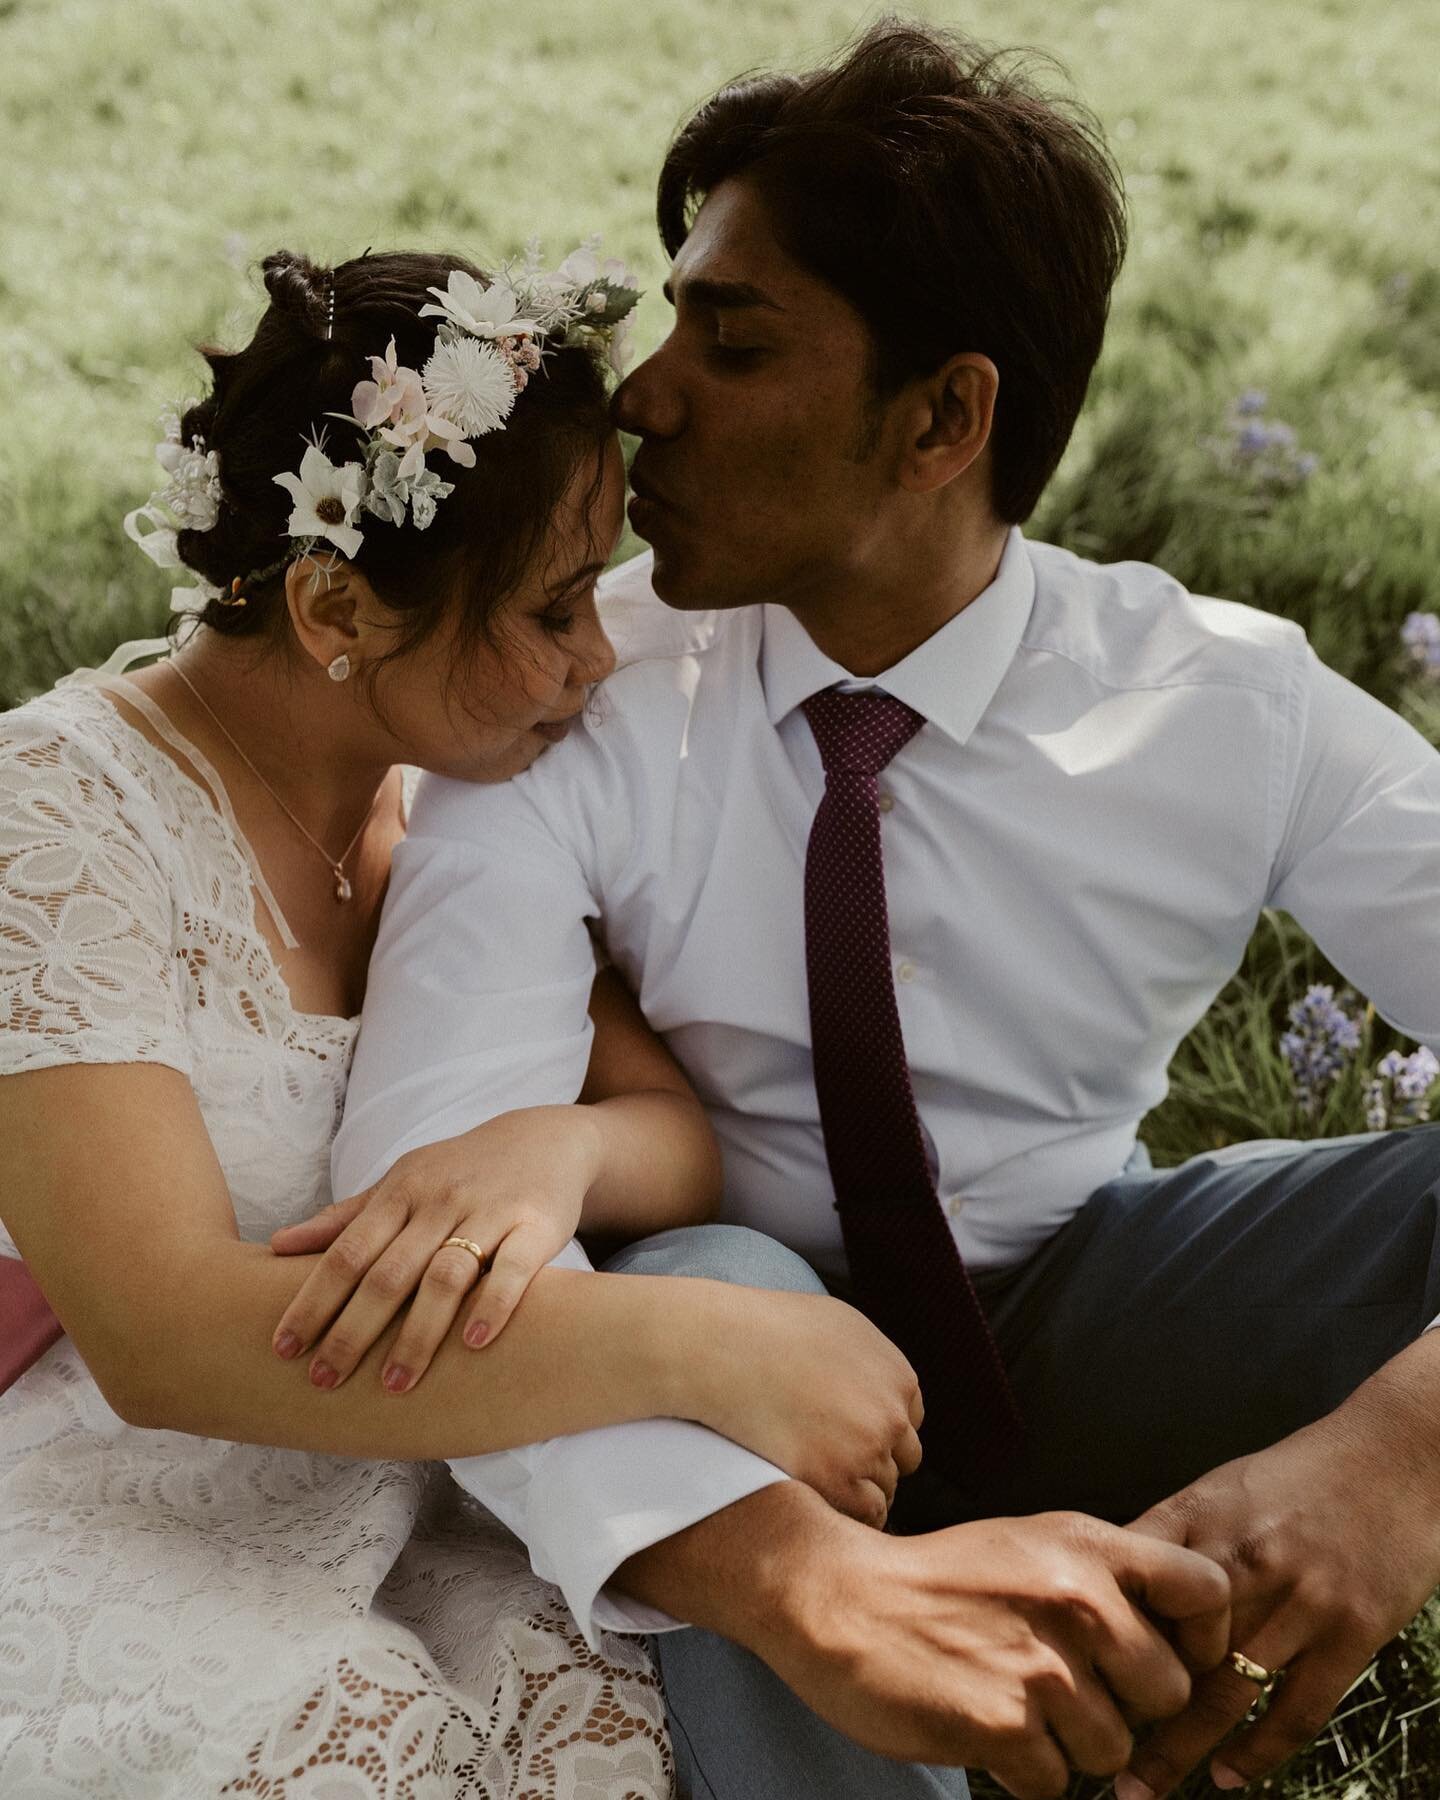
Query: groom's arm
x=1331 y=1534
x=477 y=1003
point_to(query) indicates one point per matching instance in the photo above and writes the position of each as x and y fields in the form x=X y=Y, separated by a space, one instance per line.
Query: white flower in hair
x=326 y=500
x=471 y=384
x=486 y=312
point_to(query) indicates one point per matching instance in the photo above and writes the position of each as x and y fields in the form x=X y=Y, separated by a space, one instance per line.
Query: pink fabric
x=908 y=1274
x=27 y=1326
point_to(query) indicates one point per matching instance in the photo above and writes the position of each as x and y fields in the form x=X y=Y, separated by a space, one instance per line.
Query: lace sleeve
x=87 y=966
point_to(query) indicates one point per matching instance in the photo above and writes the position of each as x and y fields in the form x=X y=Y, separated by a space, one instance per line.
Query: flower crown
x=490 y=340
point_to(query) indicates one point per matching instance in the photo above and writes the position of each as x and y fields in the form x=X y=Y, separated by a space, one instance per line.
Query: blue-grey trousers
x=1182 y=1318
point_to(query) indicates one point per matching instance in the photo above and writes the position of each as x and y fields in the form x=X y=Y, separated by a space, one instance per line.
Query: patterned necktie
x=908 y=1275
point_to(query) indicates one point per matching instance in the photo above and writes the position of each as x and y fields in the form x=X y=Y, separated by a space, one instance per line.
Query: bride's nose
x=594 y=655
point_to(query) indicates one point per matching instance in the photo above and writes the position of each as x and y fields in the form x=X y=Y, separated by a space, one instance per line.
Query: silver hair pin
x=330 y=313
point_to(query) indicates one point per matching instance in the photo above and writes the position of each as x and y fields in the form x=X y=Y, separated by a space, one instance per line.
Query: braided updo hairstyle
x=273 y=396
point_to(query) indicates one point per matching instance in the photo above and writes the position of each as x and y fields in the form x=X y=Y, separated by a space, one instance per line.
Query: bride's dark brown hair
x=301 y=367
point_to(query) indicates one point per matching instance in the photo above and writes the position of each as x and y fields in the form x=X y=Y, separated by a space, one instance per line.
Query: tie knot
x=862 y=731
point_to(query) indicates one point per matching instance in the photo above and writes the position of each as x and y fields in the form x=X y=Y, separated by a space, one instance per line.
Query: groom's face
x=756 y=476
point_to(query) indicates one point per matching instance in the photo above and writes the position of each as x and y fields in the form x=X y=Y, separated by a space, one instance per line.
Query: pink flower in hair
x=393 y=395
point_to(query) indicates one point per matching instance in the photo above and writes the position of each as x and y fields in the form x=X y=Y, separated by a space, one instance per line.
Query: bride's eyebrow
x=592 y=571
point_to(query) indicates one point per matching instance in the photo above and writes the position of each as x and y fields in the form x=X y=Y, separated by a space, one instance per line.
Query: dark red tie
x=908 y=1275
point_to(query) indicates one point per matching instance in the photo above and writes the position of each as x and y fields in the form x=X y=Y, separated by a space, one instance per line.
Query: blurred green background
x=1282 y=163
x=1263 y=423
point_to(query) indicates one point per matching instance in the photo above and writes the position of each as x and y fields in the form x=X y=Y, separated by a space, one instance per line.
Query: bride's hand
x=810 y=1384
x=515 y=1186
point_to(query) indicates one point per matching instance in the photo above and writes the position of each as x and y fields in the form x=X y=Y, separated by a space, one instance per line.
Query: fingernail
x=397 y=1378
x=476 y=1334
x=1131 y=1787
x=322 y=1375
x=1226 y=1778
x=286 y=1344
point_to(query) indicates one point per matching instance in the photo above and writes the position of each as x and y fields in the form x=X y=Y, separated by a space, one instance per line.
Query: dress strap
x=118 y=660
x=143 y=704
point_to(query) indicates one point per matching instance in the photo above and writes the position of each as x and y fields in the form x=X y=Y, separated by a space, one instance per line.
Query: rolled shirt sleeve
x=477 y=1003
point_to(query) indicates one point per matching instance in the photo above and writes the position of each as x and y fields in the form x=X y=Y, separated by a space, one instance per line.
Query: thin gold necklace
x=343 y=890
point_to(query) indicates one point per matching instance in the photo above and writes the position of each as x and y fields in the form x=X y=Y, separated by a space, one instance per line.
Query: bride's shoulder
x=63 y=719
x=72 y=744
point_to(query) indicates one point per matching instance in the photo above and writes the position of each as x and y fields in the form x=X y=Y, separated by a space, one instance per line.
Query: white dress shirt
x=1113 y=778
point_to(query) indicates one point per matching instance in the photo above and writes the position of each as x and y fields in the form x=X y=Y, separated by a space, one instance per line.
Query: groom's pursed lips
x=644 y=490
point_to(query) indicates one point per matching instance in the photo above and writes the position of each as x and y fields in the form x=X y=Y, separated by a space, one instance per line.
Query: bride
x=223 y=1571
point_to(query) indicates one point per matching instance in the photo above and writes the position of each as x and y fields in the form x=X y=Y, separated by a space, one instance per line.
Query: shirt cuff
x=584 y=1504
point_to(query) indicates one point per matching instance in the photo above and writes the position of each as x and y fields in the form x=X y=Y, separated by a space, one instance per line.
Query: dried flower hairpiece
x=491 y=339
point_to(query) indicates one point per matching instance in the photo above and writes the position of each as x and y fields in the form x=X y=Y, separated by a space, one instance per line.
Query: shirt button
x=886 y=802
x=906 y=971
x=955 y=1205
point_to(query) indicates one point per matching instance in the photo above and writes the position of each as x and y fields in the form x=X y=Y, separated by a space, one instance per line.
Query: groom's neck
x=874 y=619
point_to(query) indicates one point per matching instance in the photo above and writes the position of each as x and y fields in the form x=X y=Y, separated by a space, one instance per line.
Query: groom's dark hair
x=951 y=202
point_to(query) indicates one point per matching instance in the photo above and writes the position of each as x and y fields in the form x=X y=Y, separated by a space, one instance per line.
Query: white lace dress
x=186 y=1617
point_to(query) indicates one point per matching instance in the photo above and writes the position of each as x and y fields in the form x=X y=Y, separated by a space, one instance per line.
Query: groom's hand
x=1332 y=1543
x=1021 y=1646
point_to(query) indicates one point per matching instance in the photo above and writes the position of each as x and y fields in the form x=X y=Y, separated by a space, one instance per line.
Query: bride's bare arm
x=115 y=1198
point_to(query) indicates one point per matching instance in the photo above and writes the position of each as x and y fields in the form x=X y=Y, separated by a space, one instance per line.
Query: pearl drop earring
x=339 y=669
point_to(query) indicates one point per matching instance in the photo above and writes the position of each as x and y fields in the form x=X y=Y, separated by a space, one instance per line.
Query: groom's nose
x=649 y=402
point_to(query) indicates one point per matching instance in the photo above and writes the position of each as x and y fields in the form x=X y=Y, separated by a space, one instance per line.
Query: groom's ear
x=950 y=416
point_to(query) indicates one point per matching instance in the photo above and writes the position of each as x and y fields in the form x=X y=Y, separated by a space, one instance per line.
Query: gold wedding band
x=1263 y=1678
x=474 y=1249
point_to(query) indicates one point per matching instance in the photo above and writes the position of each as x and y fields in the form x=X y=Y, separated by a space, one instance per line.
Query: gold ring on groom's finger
x=1263 y=1678
x=474 y=1249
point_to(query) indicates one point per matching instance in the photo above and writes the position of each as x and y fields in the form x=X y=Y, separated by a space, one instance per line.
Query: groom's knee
x=719 y=1253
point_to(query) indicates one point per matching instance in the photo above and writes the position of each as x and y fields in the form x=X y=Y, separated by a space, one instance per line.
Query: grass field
x=1283 y=162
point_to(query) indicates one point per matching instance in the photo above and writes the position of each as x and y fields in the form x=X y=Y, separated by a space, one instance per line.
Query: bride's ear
x=333 y=608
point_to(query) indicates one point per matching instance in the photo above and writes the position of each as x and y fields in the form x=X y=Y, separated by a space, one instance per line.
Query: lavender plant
x=1261 y=454
x=1322 y=1037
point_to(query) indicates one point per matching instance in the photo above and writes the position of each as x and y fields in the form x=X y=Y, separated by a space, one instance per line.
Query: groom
x=924 y=846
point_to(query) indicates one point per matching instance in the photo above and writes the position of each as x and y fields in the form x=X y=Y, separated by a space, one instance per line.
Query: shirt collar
x=950 y=679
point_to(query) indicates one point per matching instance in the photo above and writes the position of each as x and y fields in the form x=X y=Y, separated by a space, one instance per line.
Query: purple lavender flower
x=1420 y=634
x=1321 y=1039
x=1251 y=439
x=1264 y=451
x=1411 y=1079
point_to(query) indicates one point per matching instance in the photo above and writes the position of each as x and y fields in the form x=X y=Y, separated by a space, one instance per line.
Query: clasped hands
x=1326 y=1545
x=1331 y=1541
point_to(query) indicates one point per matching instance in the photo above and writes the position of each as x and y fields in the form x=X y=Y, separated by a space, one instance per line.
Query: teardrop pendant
x=343 y=890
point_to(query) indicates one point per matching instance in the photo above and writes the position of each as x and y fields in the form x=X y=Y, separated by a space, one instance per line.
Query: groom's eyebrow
x=723 y=296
